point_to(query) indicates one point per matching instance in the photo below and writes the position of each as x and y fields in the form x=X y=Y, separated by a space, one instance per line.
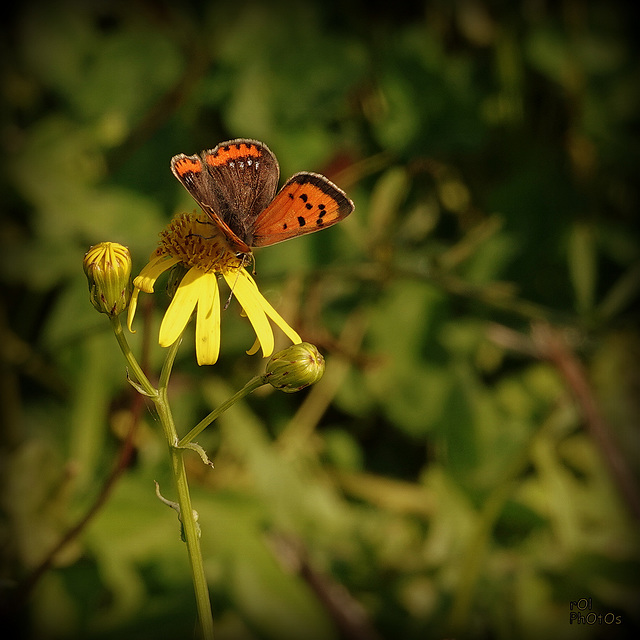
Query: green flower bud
x=295 y=368
x=108 y=269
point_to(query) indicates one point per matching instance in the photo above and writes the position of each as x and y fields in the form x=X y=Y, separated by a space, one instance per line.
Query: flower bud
x=108 y=269
x=295 y=368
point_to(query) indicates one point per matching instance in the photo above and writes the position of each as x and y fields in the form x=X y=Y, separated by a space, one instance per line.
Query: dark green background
x=442 y=474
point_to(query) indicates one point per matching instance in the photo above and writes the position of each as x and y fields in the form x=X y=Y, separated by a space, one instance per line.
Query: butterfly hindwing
x=306 y=203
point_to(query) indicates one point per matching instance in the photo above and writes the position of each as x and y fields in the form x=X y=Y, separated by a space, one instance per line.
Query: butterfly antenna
x=228 y=302
x=246 y=258
x=226 y=306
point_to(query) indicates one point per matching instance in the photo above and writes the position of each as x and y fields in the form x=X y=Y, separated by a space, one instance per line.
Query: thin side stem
x=138 y=373
x=251 y=386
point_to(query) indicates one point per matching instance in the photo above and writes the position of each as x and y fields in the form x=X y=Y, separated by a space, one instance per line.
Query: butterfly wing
x=306 y=203
x=195 y=178
x=233 y=183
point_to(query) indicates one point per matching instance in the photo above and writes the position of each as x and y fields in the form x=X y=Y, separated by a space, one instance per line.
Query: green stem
x=165 y=373
x=140 y=377
x=191 y=536
x=188 y=521
x=252 y=385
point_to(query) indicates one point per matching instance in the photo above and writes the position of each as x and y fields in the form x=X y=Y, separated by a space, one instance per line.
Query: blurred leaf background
x=454 y=474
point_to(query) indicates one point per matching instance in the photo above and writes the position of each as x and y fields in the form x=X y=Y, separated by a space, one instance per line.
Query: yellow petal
x=181 y=307
x=133 y=305
x=152 y=270
x=248 y=295
x=254 y=348
x=274 y=315
x=208 y=321
x=281 y=322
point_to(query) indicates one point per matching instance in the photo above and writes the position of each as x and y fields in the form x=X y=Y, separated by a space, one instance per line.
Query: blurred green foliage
x=442 y=474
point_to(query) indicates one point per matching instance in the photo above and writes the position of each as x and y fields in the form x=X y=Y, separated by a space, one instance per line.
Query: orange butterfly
x=235 y=184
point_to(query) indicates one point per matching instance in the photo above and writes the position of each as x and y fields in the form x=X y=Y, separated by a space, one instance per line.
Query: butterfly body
x=236 y=182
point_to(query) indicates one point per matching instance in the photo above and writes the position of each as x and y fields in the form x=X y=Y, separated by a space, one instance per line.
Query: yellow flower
x=188 y=242
x=108 y=269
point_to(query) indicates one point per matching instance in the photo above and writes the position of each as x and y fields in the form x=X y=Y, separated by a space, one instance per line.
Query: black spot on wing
x=345 y=206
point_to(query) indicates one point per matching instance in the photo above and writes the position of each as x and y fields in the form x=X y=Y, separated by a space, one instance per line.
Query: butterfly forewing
x=235 y=184
x=306 y=203
x=245 y=177
x=232 y=183
x=194 y=176
x=197 y=180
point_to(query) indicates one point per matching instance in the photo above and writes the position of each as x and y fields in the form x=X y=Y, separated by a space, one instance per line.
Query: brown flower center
x=197 y=242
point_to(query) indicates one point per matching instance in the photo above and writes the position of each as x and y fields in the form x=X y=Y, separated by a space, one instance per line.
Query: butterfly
x=235 y=183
